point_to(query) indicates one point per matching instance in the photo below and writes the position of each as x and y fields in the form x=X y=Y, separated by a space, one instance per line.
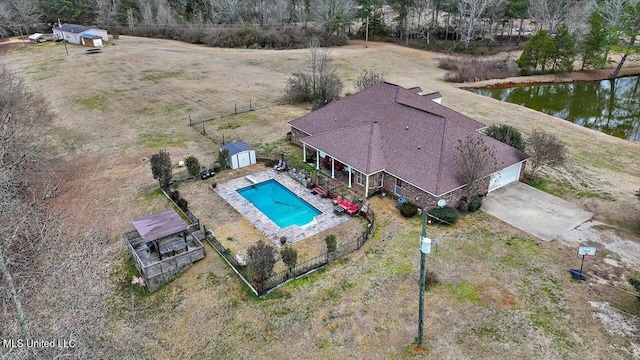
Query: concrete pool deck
x=326 y=220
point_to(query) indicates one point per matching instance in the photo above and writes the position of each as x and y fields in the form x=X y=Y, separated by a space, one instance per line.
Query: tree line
x=611 y=27
x=461 y=21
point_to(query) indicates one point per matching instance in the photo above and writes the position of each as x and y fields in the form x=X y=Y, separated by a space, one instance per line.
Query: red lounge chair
x=338 y=165
x=345 y=204
x=337 y=200
x=352 y=210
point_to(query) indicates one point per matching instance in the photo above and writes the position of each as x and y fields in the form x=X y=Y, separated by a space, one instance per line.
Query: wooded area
x=463 y=21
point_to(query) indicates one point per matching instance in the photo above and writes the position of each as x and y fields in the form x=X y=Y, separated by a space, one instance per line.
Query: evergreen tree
x=565 y=45
x=595 y=43
x=539 y=52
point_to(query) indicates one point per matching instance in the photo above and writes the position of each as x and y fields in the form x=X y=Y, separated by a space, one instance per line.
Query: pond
x=612 y=107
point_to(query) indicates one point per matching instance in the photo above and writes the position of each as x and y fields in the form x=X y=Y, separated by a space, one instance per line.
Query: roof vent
x=419 y=147
x=406 y=128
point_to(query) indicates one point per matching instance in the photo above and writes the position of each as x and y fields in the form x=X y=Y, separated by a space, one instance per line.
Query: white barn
x=240 y=154
x=81 y=35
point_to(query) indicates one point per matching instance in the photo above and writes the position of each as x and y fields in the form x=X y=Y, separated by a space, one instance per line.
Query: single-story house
x=37 y=38
x=399 y=141
x=240 y=154
x=81 y=35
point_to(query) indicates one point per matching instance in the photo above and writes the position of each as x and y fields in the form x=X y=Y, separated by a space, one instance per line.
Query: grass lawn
x=501 y=293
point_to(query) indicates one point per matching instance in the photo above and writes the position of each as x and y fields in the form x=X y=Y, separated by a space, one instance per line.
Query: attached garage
x=240 y=154
x=505 y=176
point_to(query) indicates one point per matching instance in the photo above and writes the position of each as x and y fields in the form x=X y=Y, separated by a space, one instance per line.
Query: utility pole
x=425 y=248
x=366 y=36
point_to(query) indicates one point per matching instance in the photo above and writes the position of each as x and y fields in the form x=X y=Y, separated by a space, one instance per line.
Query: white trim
x=350 y=176
x=366 y=187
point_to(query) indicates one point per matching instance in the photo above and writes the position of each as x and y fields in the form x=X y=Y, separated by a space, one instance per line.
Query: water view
x=612 y=107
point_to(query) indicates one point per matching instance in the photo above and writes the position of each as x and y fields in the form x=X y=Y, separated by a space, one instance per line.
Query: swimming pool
x=279 y=204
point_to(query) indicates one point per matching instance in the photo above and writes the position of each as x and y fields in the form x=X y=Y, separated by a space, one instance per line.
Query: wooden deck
x=176 y=256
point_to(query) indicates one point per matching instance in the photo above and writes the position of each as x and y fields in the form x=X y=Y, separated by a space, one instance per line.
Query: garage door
x=505 y=176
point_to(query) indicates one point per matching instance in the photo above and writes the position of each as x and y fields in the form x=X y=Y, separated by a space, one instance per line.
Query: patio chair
x=352 y=210
x=337 y=200
x=278 y=166
x=345 y=204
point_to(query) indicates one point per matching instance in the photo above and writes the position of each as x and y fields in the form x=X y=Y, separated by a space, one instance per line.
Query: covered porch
x=340 y=171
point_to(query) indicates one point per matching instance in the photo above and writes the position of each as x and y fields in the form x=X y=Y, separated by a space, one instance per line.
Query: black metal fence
x=262 y=288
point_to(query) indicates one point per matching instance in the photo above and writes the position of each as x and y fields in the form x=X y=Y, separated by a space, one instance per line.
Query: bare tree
x=475 y=160
x=546 y=150
x=230 y=11
x=473 y=10
x=367 y=79
x=107 y=16
x=334 y=15
x=23 y=120
x=320 y=83
x=21 y=15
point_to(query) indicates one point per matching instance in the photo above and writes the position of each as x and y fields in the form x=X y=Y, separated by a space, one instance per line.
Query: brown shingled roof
x=387 y=127
x=159 y=225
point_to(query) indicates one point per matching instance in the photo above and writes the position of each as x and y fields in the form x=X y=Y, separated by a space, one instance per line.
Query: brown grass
x=501 y=293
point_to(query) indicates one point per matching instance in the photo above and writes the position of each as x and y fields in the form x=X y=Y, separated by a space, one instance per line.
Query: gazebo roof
x=159 y=225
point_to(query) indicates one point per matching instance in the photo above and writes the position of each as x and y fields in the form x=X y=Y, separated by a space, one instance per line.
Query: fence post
x=250 y=107
x=235 y=107
x=204 y=132
x=190 y=120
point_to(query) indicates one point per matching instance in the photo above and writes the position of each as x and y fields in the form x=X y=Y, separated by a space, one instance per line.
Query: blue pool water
x=280 y=205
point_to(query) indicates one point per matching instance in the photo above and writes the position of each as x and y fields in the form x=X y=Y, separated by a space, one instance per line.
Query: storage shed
x=240 y=154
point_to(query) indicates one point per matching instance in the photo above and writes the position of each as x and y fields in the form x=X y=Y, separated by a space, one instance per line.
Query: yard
x=501 y=293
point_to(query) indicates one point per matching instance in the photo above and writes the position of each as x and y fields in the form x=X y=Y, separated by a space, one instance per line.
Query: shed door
x=505 y=176
x=244 y=159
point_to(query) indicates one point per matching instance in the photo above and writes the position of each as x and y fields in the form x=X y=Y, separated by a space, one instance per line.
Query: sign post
x=584 y=251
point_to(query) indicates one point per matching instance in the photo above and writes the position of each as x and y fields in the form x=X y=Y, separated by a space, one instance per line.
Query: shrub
x=261 y=259
x=408 y=210
x=161 y=168
x=444 y=215
x=506 y=134
x=464 y=70
x=471 y=206
x=289 y=256
x=183 y=204
x=431 y=280
x=175 y=195
x=332 y=244
x=193 y=165
x=636 y=284
x=367 y=79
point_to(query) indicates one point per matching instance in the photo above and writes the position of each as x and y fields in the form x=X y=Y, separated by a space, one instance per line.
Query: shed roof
x=236 y=147
x=387 y=127
x=159 y=225
x=73 y=28
x=90 y=36
x=35 y=36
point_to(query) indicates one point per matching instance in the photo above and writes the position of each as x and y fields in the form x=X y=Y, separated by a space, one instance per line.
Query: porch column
x=333 y=169
x=304 y=153
x=317 y=159
x=366 y=187
x=349 y=177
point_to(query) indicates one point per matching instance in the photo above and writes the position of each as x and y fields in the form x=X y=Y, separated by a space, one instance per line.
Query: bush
x=471 y=206
x=636 y=284
x=465 y=70
x=506 y=134
x=193 y=165
x=289 y=256
x=444 y=215
x=408 y=210
x=332 y=244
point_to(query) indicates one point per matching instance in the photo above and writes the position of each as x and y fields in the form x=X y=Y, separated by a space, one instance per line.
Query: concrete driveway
x=533 y=211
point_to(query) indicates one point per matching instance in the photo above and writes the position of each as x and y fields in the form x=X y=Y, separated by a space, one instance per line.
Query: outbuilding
x=240 y=154
x=79 y=34
x=37 y=38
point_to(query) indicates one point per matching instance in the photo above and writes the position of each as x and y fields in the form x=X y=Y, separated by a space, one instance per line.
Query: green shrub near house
x=408 y=210
x=444 y=215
